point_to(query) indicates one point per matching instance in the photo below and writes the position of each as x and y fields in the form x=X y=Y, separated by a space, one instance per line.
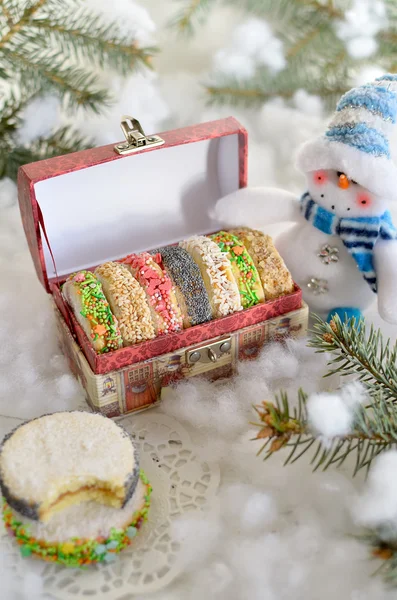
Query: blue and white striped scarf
x=358 y=234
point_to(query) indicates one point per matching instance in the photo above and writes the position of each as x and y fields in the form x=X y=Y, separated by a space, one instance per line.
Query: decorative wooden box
x=86 y=208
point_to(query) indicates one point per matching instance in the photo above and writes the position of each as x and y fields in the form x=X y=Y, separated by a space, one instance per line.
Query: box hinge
x=136 y=140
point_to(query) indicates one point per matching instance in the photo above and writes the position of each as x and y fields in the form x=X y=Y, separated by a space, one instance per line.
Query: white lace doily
x=180 y=481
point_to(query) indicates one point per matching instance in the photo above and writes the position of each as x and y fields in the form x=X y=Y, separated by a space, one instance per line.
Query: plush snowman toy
x=342 y=248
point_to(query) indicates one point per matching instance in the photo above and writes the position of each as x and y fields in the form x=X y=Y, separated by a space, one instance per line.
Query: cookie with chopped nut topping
x=276 y=279
x=128 y=302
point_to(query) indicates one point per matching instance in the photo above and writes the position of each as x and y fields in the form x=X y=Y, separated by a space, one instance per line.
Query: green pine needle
x=191 y=14
x=317 y=59
x=371 y=360
x=284 y=426
x=62 y=141
x=357 y=352
x=52 y=46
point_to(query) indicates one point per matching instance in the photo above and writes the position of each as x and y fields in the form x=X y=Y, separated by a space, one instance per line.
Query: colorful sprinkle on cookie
x=244 y=269
x=148 y=271
x=78 y=552
x=102 y=324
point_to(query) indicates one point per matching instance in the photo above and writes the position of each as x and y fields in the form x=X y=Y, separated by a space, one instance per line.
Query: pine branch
x=193 y=13
x=317 y=59
x=72 y=83
x=264 y=87
x=13 y=105
x=62 y=141
x=328 y=9
x=27 y=14
x=385 y=549
x=85 y=36
x=369 y=357
x=6 y=14
x=57 y=46
x=374 y=431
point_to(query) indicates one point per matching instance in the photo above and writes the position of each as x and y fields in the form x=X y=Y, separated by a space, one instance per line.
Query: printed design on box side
x=140 y=386
x=221 y=372
x=108 y=386
x=110 y=410
x=285 y=326
x=173 y=368
x=251 y=341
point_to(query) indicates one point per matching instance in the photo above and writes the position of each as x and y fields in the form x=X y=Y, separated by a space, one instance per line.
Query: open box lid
x=98 y=205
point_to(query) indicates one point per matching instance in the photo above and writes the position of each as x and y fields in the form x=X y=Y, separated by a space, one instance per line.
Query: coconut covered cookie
x=64 y=459
x=217 y=275
x=81 y=534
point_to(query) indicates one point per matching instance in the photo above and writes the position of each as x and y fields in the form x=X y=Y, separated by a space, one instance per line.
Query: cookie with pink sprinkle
x=148 y=270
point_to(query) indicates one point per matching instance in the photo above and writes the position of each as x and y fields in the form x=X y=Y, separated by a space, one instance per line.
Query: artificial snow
x=377 y=506
x=252 y=45
x=361 y=24
x=332 y=414
x=274 y=532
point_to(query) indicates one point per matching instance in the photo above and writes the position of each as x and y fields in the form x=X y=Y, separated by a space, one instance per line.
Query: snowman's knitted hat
x=357 y=139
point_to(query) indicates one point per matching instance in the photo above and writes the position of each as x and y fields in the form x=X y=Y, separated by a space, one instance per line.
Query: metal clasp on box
x=210 y=352
x=136 y=139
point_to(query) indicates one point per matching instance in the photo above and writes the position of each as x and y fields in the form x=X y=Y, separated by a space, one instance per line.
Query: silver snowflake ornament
x=318 y=286
x=328 y=254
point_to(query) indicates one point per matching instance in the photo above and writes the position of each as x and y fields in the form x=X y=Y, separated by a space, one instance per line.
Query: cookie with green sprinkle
x=243 y=267
x=84 y=294
x=82 y=534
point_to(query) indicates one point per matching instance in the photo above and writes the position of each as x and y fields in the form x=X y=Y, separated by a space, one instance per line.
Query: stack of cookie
x=72 y=488
x=150 y=294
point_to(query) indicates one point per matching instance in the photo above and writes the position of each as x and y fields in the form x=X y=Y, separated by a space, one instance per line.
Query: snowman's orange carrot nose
x=343 y=181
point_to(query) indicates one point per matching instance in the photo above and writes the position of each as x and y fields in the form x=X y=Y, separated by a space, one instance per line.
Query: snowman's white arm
x=385 y=262
x=256 y=207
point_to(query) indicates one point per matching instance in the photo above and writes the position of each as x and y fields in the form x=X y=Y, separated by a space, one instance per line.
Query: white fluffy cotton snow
x=275 y=532
x=332 y=414
x=360 y=26
x=377 y=506
x=252 y=45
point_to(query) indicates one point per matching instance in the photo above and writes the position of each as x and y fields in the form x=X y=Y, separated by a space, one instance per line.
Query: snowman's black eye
x=322 y=195
x=348 y=209
x=333 y=206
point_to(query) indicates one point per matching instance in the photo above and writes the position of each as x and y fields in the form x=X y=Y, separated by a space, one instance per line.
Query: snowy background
x=283 y=532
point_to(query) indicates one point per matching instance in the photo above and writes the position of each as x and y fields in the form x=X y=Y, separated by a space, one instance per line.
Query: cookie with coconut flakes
x=217 y=275
x=67 y=458
x=81 y=534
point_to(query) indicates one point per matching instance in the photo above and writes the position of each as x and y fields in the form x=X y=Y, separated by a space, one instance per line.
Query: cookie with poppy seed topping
x=190 y=289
